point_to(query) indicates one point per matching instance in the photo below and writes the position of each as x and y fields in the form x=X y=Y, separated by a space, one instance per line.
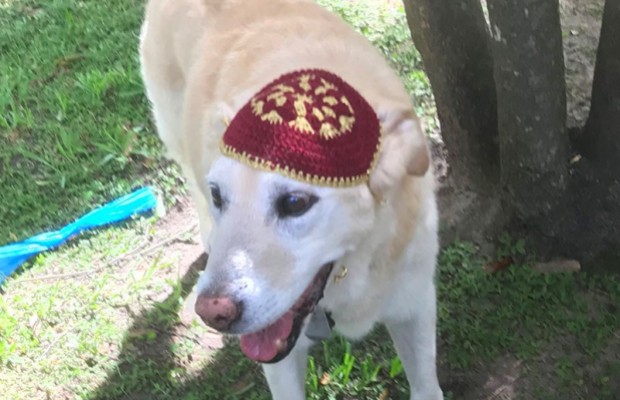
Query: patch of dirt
x=190 y=255
x=175 y=242
x=569 y=374
x=497 y=380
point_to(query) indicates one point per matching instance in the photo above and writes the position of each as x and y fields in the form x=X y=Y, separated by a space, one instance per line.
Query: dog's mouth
x=273 y=343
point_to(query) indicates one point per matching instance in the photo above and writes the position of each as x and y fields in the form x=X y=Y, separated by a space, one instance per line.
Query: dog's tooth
x=279 y=344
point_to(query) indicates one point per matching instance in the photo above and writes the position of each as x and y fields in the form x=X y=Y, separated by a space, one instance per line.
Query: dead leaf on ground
x=499 y=265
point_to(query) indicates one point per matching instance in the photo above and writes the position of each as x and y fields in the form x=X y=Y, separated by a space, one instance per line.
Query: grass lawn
x=104 y=317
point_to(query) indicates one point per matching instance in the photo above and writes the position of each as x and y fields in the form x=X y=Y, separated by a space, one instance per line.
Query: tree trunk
x=453 y=39
x=562 y=209
x=602 y=130
x=531 y=104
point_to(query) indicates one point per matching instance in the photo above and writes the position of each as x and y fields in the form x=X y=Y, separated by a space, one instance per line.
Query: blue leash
x=15 y=254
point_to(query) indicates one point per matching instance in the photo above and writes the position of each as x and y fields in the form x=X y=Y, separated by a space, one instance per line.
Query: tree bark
x=502 y=108
x=602 y=130
x=531 y=103
x=453 y=38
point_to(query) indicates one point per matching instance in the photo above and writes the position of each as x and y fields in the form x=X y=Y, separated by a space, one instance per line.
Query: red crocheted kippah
x=309 y=125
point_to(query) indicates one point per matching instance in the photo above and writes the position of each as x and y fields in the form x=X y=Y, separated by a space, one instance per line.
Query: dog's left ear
x=404 y=150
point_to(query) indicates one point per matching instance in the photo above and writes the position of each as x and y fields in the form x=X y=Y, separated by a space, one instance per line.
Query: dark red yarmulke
x=309 y=125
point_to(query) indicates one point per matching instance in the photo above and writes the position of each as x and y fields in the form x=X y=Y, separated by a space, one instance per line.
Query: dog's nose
x=217 y=312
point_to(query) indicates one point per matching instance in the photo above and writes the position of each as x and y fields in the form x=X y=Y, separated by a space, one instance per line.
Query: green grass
x=101 y=318
x=74 y=122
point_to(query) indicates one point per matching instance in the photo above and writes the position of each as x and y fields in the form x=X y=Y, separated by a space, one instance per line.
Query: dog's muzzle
x=272 y=343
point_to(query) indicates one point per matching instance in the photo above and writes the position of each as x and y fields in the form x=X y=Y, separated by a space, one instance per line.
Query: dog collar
x=308 y=125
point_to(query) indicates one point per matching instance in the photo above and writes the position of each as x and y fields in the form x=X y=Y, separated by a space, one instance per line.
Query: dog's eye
x=294 y=204
x=216 y=197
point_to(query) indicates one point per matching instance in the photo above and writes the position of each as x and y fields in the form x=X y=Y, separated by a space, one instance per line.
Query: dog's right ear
x=404 y=150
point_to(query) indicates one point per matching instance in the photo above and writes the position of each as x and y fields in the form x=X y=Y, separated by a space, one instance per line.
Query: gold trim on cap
x=266 y=165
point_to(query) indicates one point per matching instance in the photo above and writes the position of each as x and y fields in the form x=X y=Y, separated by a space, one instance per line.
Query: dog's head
x=275 y=238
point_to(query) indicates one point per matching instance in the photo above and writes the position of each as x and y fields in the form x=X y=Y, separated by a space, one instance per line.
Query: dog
x=311 y=175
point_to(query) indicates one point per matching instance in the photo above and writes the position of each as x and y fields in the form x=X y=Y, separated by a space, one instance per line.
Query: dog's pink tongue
x=264 y=345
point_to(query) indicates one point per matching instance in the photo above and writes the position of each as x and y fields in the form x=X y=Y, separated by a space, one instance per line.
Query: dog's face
x=275 y=240
x=272 y=248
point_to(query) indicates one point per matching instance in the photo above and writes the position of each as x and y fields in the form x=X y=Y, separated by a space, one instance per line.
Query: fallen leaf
x=499 y=265
x=325 y=379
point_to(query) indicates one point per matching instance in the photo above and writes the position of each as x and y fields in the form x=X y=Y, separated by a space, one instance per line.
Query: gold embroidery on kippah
x=257 y=106
x=330 y=100
x=301 y=123
x=318 y=114
x=329 y=111
x=329 y=131
x=324 y=88
x=300 y=101
x=346 y=123
x=272 y=117
x=320 y=90
x=278 y=97
x=345 y=101
x=280 y=87
x=304 y=105
x=328 y=85
x=304 y=83
x=278 y=94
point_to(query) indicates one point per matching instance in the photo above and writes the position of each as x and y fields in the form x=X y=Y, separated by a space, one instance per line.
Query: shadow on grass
x=506 y=330
x=147 y=368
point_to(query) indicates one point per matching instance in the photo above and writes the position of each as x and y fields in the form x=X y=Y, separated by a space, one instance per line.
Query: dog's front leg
x=287 y=378
x=415 y=343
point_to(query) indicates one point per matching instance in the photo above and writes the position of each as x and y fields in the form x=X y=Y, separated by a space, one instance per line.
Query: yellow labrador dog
x=272 y=108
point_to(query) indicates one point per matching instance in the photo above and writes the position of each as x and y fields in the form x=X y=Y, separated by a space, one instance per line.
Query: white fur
x=201 y=61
